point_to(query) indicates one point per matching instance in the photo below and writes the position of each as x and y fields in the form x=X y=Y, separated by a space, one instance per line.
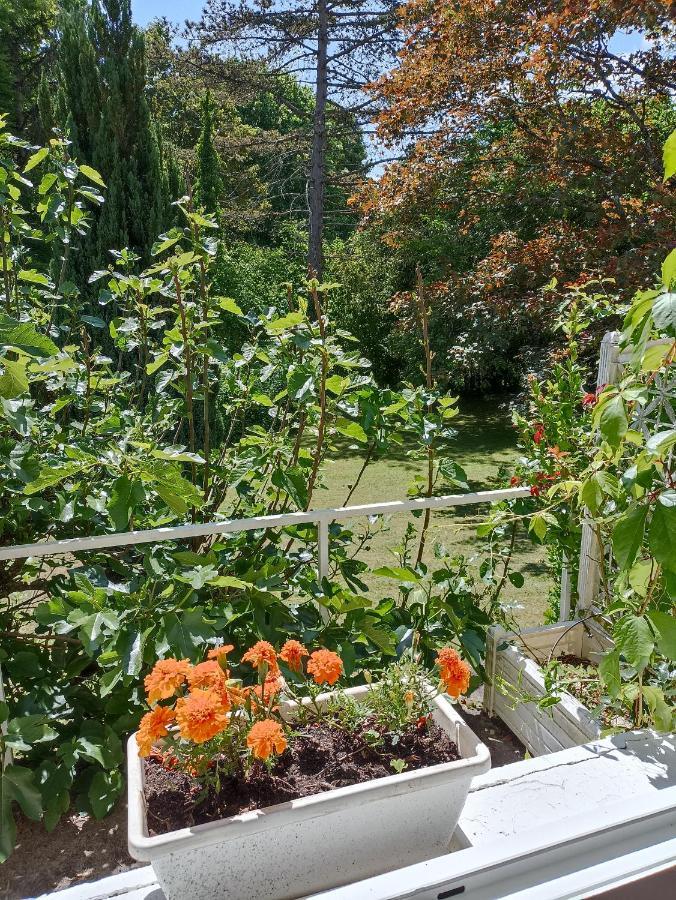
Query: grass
x=485 y=441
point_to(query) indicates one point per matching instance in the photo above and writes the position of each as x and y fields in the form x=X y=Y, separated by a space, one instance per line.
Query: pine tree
x=339 y=46
x=209 y=182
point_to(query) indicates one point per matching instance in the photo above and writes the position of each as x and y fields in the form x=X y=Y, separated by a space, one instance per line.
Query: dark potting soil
x=584 y=684
x=570 y=659
x=320 y=759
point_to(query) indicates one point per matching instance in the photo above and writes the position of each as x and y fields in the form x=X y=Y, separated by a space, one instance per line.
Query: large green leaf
x=662 y=533
x=669 y=269
x=399 y=574
x=661 y=712
x=100 y=744
x=664 y=312
x=381 y=637
x=290 y=320
x=24 y=336
x=36 y=158
x=609 y=671
x=591 y=494
x=352 y=430
x=634 y=639
x=453 y=474
x=13 y=382
x=104 y=790
x=32 y=276
x=125 y=494
x=55 y=781
x=92 y=175
x=51 y=476
x=166 y=480
x=187 y=633
x=16 y=786
x=130 y=646
x=294 y=483
x=665 y=628
x=613 y=420
x=628 y=535
x=24 y=731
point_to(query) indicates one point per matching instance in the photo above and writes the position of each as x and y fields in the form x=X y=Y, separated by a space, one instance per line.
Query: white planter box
x=568 y=723
x=314 y=843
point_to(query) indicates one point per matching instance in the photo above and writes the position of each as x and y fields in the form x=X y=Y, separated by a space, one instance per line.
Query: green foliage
x=99 y=87
x=554 y=431
x=627 y=487
x=208 y=180
x=209 y=406
x=24 y=26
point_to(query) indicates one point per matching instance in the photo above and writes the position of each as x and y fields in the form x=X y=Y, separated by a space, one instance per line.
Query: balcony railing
x=322 y=518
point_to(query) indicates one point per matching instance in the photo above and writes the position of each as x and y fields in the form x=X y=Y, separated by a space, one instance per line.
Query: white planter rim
x=146 y=848
x=569 y=722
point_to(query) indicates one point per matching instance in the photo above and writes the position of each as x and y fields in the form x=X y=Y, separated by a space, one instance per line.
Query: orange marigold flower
x=235 y=693
x=453 y=671
x=200 y=716
x=266 y=738
x=292 y=653
x=326 y=666
x=209 y=676
x=260 y=654
x=166 y=677
x=153 y=727
x=267 y=691
x=220 y=653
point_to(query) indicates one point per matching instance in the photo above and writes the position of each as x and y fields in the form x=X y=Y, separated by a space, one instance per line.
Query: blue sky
x=175 y=10
x=180 y=10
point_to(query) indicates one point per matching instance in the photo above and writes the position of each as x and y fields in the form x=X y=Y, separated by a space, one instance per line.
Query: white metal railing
x=319 y=517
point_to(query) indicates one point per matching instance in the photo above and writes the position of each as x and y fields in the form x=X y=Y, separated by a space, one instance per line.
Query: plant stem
x=188 y=374
x=429 y=380
x=5 y=261
x=206 y=441
x=367 y=460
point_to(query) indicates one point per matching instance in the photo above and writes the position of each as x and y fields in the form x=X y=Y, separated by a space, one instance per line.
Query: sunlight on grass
x=485 y=441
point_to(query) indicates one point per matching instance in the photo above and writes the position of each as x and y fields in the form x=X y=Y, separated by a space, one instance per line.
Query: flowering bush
x=556 y=435
x=215 y=726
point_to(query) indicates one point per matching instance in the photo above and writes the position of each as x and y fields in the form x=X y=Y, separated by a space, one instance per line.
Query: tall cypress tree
x=101 y=69
x=208 y=181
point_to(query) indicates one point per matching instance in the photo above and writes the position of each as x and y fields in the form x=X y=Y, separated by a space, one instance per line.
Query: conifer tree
x=101 y=70
x=208 y=182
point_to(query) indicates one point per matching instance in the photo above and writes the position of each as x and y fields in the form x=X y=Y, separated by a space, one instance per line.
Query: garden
x=327 y=481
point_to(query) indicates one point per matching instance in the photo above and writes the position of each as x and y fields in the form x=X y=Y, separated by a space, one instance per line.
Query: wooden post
x=564 y=596
x=8 y=754
x=590 y=549
x=609 y=359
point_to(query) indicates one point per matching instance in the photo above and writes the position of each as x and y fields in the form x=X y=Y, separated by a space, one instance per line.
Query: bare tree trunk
x=317 y=163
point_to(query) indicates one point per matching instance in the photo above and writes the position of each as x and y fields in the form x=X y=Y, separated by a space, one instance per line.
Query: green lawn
x=485 y=441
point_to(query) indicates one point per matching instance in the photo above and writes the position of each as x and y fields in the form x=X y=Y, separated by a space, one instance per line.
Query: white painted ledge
x=588 y=779
x=540 y=828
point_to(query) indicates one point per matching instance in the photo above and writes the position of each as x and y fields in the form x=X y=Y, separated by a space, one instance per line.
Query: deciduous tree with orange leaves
x=535 y=134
